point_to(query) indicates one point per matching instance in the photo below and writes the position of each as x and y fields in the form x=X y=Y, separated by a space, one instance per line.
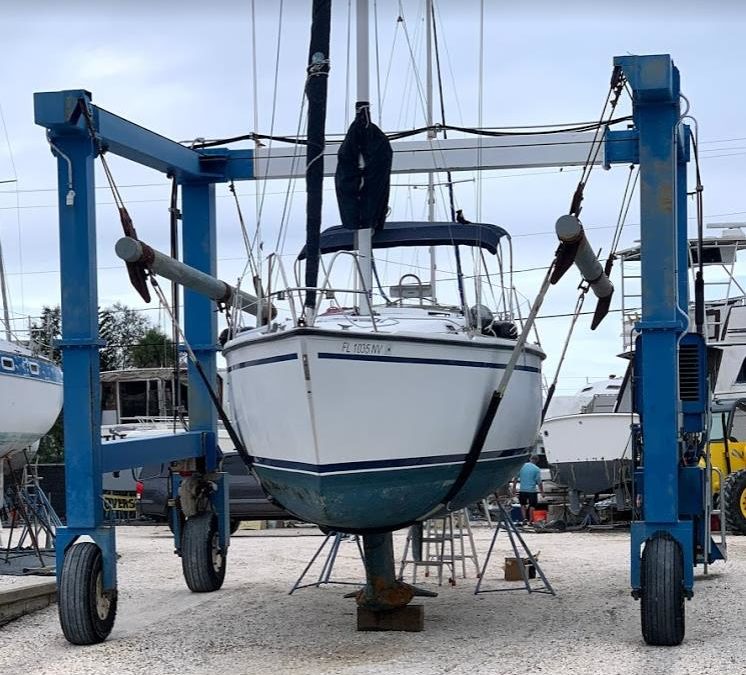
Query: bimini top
x=409 y=233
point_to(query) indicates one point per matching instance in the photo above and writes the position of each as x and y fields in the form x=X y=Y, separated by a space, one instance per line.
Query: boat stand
x=520 y=549
x=30 y=511
x=326 y=569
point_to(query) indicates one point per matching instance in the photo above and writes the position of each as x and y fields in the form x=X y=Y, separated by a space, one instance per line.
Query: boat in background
x=589 y=450
x=590 y=446
x=30 y=393
x=31 y=400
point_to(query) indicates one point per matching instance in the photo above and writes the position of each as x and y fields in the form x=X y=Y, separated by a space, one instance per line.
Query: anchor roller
x=574 y=248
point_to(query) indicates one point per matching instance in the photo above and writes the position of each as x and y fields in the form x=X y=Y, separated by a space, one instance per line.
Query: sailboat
x=370 y=417
x=30 y=394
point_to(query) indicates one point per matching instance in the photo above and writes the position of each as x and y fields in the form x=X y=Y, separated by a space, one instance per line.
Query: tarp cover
x=409 y=233
x=363 y=191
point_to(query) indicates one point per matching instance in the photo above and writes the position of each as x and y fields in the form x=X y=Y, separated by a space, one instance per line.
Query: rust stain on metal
x=381 y=594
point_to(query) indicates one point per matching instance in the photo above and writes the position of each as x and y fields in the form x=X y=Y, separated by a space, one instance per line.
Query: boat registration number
x=365 y=348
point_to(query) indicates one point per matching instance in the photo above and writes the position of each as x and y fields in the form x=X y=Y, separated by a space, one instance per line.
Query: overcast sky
x=186 y=70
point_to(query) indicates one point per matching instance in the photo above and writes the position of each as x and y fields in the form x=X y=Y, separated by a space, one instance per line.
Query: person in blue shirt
x=529 y=478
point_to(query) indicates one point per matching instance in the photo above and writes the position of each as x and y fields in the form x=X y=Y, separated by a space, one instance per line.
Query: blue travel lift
x=671 y=534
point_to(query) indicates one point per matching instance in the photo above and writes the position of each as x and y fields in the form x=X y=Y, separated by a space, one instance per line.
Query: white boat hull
x=591 y=452
x=31 y=400
x=364 y=431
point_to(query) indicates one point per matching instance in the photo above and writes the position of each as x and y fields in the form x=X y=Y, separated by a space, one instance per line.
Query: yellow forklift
x=727 y=449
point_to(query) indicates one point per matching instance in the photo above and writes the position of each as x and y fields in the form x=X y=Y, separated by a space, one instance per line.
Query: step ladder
x=443 y=543
x=520 y=551
x=325 y=575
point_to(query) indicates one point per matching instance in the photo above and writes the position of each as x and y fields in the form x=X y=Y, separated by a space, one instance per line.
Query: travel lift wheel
x=86 y=612
x=202 y=561
x=733 y=501
x=662 y=591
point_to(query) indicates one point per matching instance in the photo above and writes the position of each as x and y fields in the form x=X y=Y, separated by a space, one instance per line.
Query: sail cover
x=409 y=233
x=363 y=173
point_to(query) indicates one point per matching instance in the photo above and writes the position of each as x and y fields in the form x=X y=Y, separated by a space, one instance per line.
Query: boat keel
x=383 y=603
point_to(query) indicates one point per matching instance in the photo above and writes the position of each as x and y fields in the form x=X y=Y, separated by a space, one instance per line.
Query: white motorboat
x=587 y=437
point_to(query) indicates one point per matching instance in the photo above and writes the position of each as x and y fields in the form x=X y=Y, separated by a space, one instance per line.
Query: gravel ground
x=253 y=626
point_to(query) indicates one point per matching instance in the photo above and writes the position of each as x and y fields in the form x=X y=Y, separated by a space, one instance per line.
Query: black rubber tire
x=734 y=501
x=662 y=592
x=202 y=563
x=86 y=613
x=235 y=524
x=170 y=522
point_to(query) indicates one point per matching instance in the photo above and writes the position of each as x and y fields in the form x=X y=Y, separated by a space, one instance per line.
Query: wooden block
x=410 y=618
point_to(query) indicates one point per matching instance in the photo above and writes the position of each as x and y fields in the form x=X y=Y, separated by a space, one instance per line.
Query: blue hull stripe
x=423 y=361
x=407 y=462
x=21 y=367
x=262 y=362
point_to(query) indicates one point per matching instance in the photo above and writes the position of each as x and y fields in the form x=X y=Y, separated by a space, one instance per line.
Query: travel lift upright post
x=87 y=571
x=671 y=391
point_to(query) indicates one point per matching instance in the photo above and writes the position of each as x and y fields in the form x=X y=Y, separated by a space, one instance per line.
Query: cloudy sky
x=187 y=70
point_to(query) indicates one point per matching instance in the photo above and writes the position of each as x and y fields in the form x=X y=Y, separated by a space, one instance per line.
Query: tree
x=52 y=446
x=131 y=342
x=46 y=331
x=153 y=350
x=122 y=328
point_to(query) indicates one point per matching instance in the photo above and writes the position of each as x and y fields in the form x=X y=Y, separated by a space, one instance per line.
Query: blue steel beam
x=199 y=245
x=663 y=154
x=132 y=452
x=655 y=86
x=80 y=358
x=80 y=342
x=58 y=111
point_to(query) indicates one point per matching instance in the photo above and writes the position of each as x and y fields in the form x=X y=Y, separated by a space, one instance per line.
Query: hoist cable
x=235 y=439
x=575 y=315
x=616 y=87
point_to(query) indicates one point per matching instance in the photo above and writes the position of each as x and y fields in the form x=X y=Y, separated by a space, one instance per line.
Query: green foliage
x=121 y=328
x=51 y=446
x=131 y=342
x=46 y=331
x=154 y=350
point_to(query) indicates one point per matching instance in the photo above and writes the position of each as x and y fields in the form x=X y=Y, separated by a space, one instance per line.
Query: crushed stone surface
x=253 y=626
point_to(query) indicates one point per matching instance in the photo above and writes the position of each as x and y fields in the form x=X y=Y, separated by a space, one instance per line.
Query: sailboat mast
x=4 y=291
x=364 y=236
x=430 y=134
x=316 y=88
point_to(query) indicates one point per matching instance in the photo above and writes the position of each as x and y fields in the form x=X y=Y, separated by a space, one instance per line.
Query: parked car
x=247 y=499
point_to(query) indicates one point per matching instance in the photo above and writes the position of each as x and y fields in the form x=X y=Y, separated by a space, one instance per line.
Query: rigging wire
x=495 y=132
x=388 y=67
x=260 y=207
x=616 y=86
x=449 y=175
x=378 y=66
x=413 y=60
x=5 y=290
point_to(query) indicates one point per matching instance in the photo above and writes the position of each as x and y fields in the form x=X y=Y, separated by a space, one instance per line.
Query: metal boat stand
x=331 y=558
x=520 y=549
x=31 y=551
